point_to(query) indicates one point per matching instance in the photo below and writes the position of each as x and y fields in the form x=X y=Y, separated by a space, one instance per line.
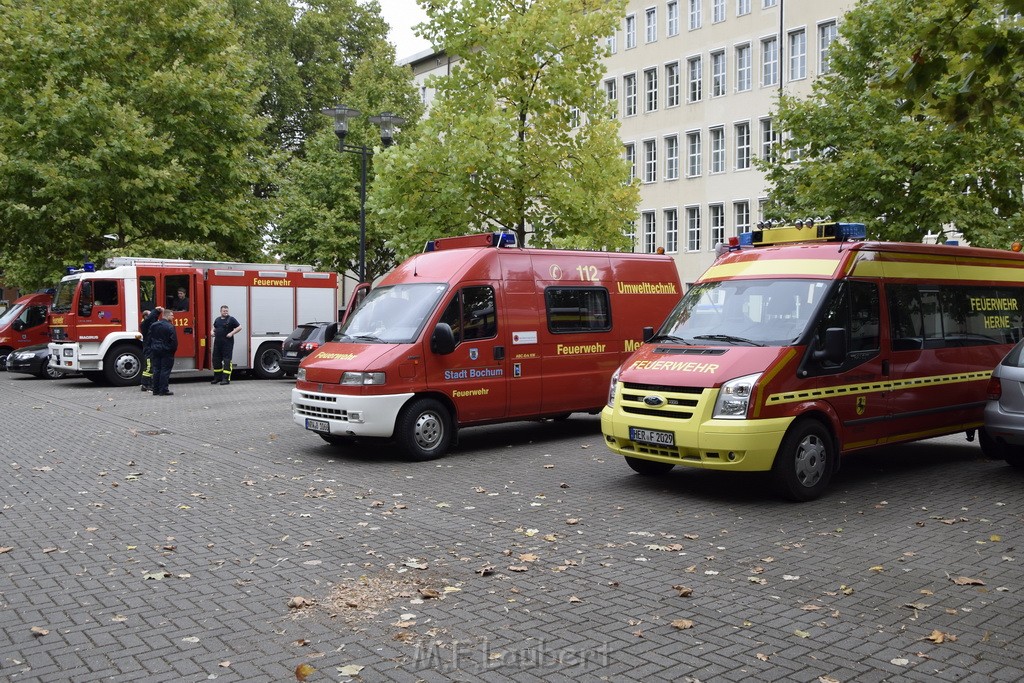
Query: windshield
x=393 y=314
x=745 y=312
x=64 y=296
x=11 y=313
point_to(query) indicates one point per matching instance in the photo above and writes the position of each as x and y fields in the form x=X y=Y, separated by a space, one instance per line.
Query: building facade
x=693 y=83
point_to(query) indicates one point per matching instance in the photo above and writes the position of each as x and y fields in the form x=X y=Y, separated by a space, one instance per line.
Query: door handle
x=885 y=367
x=499 y=353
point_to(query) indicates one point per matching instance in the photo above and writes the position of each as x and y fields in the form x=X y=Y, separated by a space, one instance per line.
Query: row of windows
x=717 y=158
x=472 y=313
x=694 y=234
x=718 y=84
x=694 y=19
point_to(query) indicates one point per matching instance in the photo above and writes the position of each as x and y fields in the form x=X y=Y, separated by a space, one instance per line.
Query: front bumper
x=346 y=414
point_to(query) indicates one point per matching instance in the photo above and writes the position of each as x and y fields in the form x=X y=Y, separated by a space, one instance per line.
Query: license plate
x=318 y=425
x=291 y=354
x=652 y=436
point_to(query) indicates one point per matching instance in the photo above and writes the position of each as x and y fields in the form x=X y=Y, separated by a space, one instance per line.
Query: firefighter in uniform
x=223 y=331
x=148 y=318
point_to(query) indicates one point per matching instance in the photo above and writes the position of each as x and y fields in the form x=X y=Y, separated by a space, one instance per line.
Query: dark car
x=33 y=360
x=1002 y=437
x=303 y=340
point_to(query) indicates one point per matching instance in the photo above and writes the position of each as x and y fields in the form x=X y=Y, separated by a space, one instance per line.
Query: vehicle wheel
x=93 y=376
x=4 y=352
x=648 y=468
x=268 y=362
x=123 y=365
x=424 y=429
x=992 y=449
x=335 y=440
x=804 y=464
x=50 y=372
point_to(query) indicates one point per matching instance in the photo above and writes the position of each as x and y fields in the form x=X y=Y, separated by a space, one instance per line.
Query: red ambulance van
x=476 y=330
x=807 y=345
x=24 y=324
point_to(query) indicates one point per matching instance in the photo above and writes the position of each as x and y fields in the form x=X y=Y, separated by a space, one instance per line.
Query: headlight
x=734 y=397
x=362 y=378
x=611 y=389
x=301 y=375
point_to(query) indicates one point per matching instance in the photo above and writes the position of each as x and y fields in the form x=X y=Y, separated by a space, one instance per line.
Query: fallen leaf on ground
x=938 y=636
x=762 y=656
x=38 y=631
x=5 y=549
x=518 y=568
x=350 y=670
x=298 y=602
x=303 y=671
x=684 y=591
x=801 y=634
x=967 y=581
x=682 y=624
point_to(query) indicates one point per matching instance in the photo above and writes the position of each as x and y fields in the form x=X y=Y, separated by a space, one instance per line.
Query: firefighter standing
x=223 y=331
x=148 y=318
x=163 y=342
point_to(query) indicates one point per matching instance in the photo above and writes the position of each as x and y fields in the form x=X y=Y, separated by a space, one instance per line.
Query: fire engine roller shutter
x=316 y=304
x=234 y=298
x=273 y=310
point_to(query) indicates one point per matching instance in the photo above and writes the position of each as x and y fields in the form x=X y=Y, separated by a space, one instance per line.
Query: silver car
x=1002 y=437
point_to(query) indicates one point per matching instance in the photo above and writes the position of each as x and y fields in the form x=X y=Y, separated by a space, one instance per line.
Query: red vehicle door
x=180 y=290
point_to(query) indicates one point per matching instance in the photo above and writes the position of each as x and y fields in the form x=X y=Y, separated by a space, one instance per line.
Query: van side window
x=577 y=309
x=942 y=316
x=472 y=314
x=854 y=308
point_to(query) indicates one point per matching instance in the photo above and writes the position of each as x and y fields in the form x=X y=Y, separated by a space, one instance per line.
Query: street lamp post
x=387 y=122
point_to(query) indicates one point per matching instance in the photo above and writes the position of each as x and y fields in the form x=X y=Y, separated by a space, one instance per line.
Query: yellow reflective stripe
x=779 y=267
x=771 y=375
x=875 y=387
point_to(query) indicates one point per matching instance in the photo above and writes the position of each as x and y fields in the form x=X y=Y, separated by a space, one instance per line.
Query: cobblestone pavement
x=162 y=539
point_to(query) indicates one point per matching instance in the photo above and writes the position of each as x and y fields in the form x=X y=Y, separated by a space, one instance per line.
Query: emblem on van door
x=474 y=354
x=654 y=401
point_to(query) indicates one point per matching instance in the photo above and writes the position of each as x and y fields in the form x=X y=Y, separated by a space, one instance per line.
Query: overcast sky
x=402 y=15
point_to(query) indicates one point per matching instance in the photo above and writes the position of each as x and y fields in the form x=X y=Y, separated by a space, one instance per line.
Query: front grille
x=678 y=403
x=311 y=405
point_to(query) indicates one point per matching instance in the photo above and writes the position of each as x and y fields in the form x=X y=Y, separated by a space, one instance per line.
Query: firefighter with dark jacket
x=148 y=318
x=224 y=329
x=163 y=342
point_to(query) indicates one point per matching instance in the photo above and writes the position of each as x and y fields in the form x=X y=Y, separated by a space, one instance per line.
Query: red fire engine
x=95 y=316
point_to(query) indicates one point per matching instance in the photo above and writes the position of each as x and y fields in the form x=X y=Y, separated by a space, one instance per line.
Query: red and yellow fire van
x=476 y=330
x=807 y=345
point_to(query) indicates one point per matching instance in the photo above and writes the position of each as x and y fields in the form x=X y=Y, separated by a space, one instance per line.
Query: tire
x=4 y=352
x=50 y=372
x=424 y=429
x=338 y=440
x=94 y=376
x=990 y=448
x=122 y=366
x=805 y=462
x=648 y=468
x=268 y=361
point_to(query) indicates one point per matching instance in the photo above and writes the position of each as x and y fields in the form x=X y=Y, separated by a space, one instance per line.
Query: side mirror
x=834 y=346
x=442 y=341
x=647 y=334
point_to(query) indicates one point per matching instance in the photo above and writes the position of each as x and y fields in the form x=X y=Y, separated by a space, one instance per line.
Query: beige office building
x=694 y=82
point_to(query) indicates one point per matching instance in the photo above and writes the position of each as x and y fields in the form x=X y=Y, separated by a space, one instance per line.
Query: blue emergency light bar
x=86 y=268
x=483 y=239
x=812 y=232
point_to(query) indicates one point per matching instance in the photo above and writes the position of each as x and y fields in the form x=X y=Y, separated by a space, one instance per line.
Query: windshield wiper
x=728 y=338
x=365 y=337
x=670 y=338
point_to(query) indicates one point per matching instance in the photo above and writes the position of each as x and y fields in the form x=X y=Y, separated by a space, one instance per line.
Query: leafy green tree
x=130 y=119
x=965 y=60
x=519 y=136
x=865 y=154
x=318 y=203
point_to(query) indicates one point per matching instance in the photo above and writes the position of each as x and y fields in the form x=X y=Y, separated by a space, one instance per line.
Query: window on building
x=630 y=155
x=741 y=216
x=742 y=7
x=672 y=84
x=611 y=89
x=765 y=4
x=574 y=117
x=718 y=73
x=742 y=146
x=612 y=42
x=717 y=150
x=717 y=11
x=629 y=95
x=695 y=14
x=769 y=61
x=694 y=71
x=577 y=309
x=671 y=231
x=630 y=31
x=648 y=232
x=762 y=204
x=672 y=18
x=769 y=139
x=693 y=228
x=743 y=68
x=651 y=24
x=716 y=216
x=693 y=150
x=671 y=157
x=827 y=34
x=651 y=90
x=797 y=55
x=650 y=161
